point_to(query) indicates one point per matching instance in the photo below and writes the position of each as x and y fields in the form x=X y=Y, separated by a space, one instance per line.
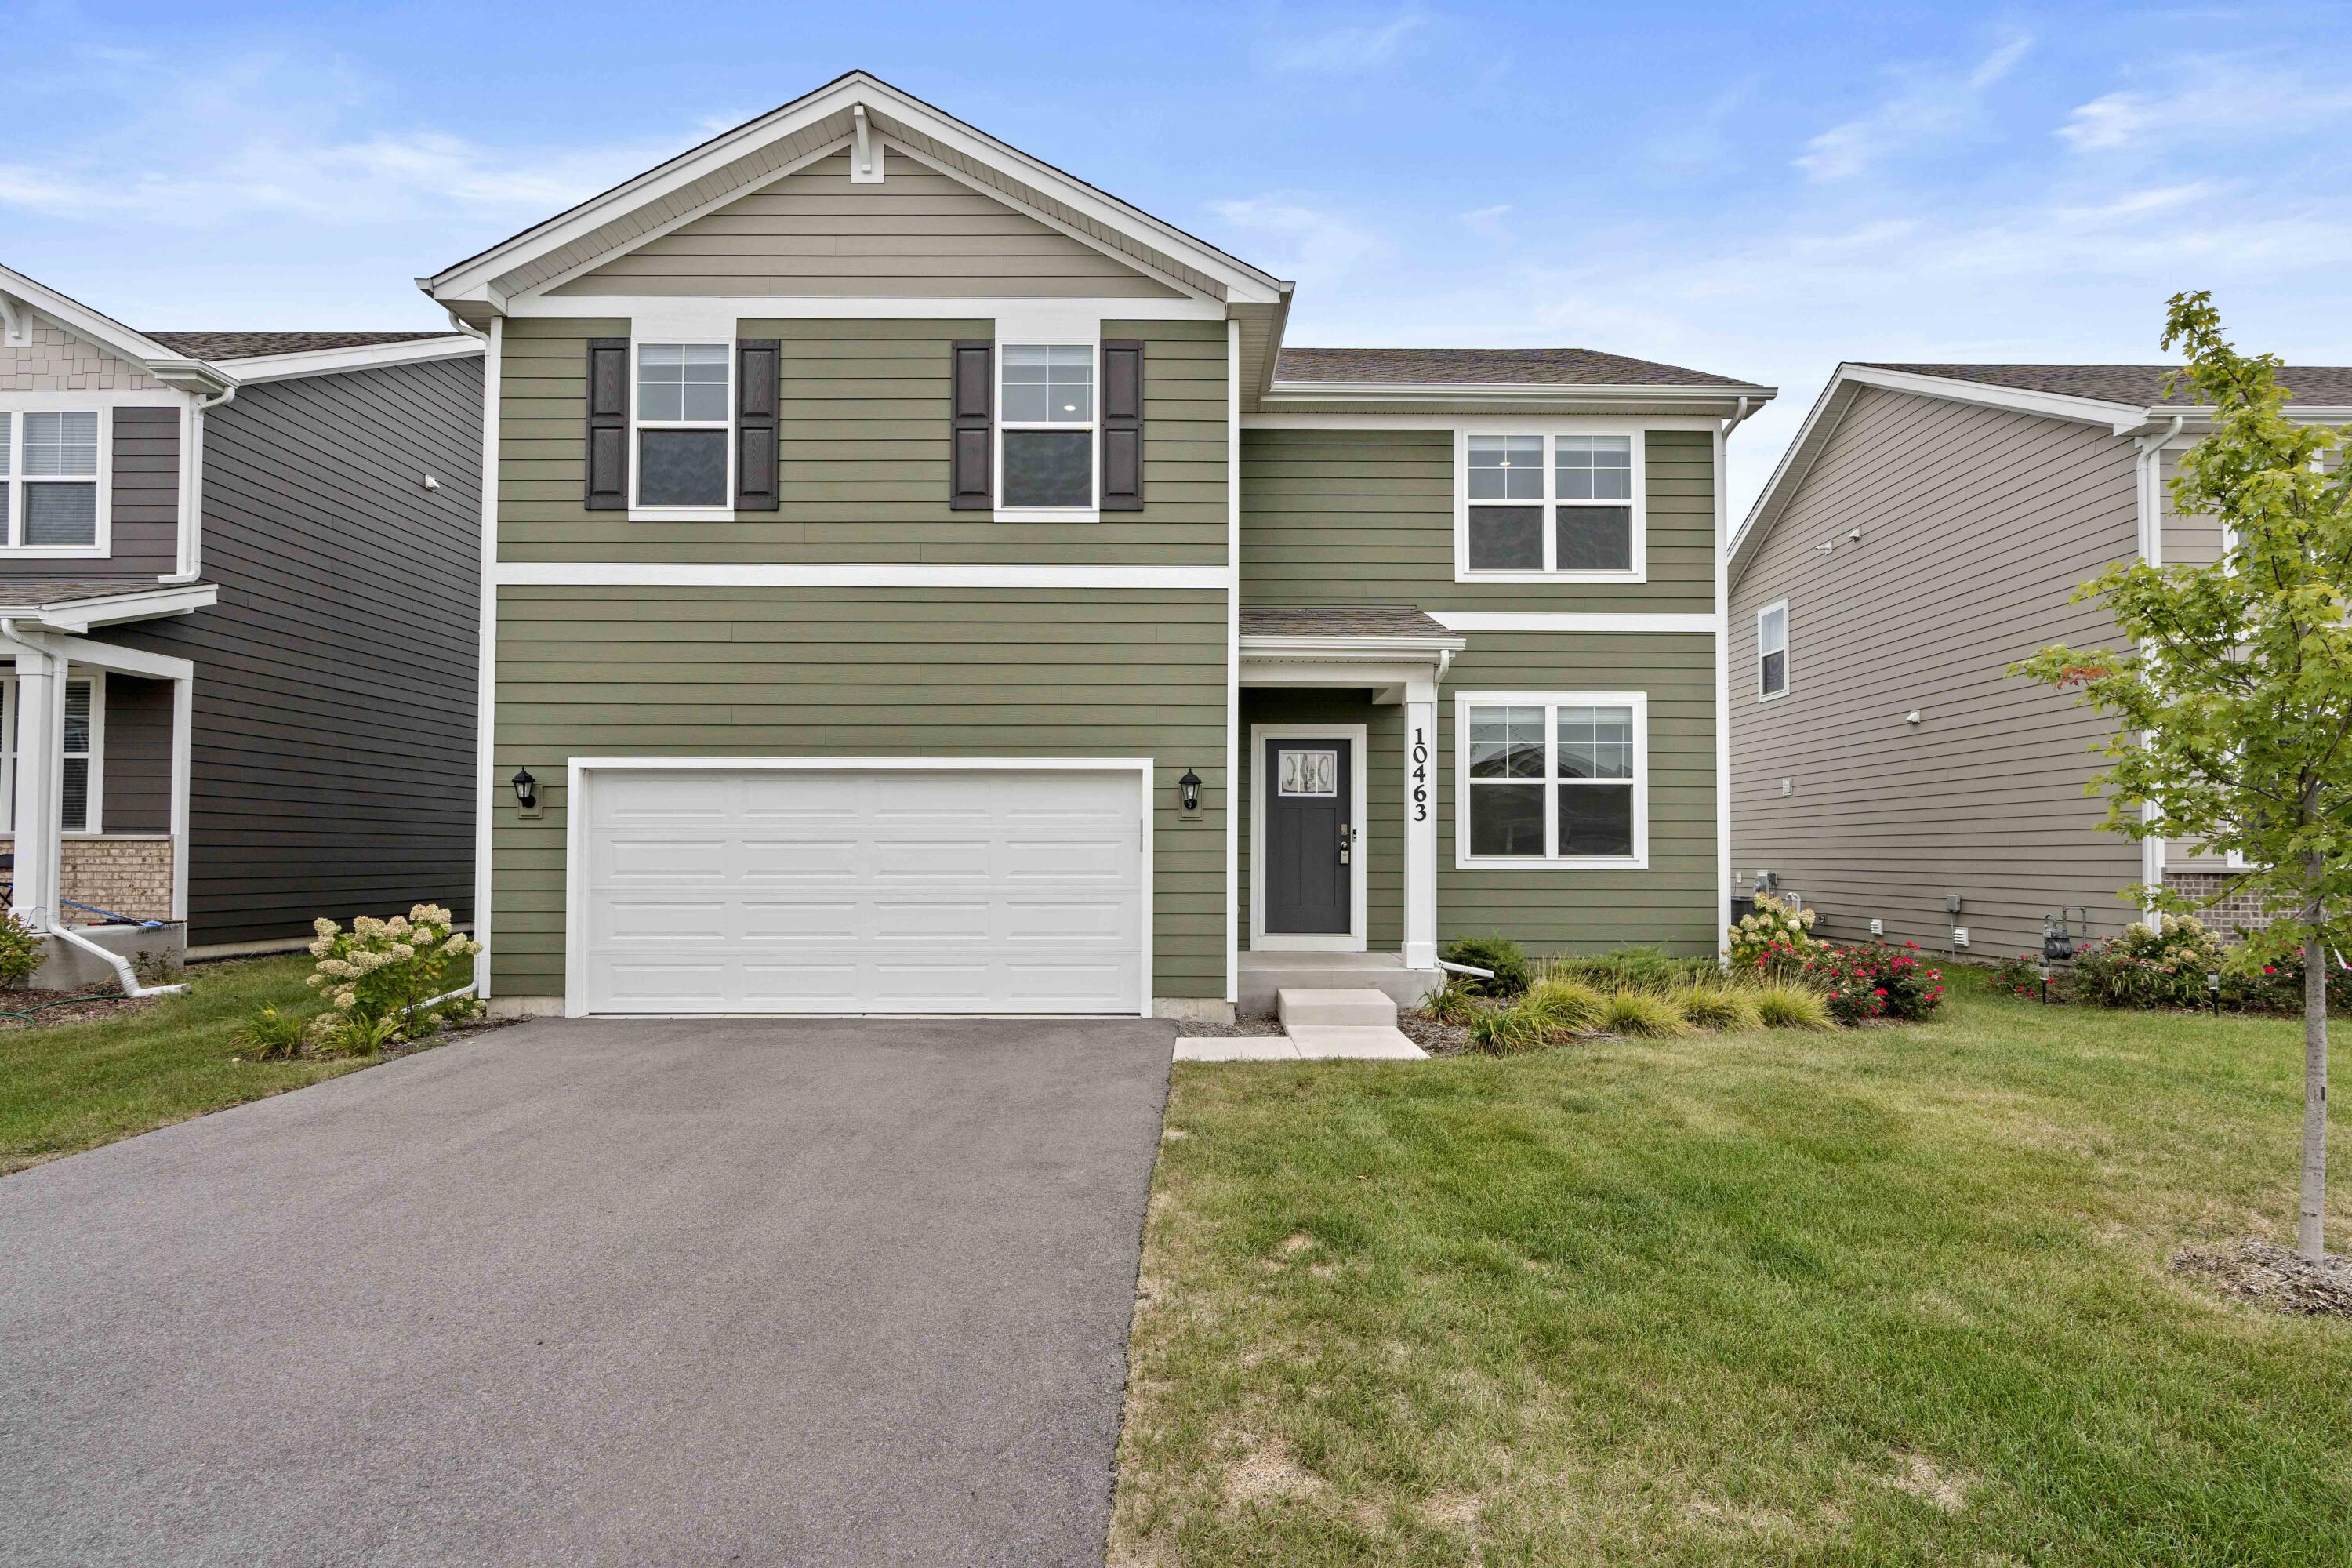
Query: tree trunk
x=2311 y=1224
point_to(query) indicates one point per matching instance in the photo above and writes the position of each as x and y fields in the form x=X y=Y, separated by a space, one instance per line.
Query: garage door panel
x=852 y=891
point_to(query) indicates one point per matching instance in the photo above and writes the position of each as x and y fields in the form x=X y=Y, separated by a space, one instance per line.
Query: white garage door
x=980 y=889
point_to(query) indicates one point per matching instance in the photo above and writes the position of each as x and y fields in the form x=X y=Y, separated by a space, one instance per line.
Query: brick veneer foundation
x=128 y=876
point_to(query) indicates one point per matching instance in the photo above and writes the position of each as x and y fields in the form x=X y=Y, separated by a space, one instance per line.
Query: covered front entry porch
x=1336 y=780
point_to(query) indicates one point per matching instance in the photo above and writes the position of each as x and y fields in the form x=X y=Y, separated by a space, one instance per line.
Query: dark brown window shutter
x=969 y=485
x=1122 y=426
x=755 y=423
x=608 y=425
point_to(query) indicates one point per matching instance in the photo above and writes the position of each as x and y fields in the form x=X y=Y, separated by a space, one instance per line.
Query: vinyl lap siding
x=1366 y=517
x=1673 y=902
x=863 y=439
x=1977 y=525
x=136 y=791
x=872 y=672
x=333 y=761
x=918 y=233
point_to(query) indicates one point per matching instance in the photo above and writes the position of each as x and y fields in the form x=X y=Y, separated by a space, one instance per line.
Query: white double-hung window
x=1553 y=505
x=1551 y=779
x=1046 y=426
x=684 y=400
x=78 y=779
x=50 y=479
x=1772 y=651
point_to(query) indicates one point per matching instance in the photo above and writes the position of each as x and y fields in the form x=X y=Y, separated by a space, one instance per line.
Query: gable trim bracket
x=866 y=149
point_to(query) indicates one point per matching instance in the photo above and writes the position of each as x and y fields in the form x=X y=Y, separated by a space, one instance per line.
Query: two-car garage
x=821 y=885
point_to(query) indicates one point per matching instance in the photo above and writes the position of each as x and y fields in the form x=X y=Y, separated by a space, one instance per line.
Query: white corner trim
x=1232 y=650
x=1638 y=702
x=366 y=356
x=836 y=575
x=1572 y=621
x=576 y=813
x=487 y=786
x=1353 y=938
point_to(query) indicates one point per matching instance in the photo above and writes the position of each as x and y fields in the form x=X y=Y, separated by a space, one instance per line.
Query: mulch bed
x=2274 y=1278
x=81 y=1008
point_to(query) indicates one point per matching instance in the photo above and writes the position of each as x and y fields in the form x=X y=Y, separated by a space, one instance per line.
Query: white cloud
x=1487 y=222
x=2211 y=102
x=1342 y=51
x=1930 y=107
x=1299 y=240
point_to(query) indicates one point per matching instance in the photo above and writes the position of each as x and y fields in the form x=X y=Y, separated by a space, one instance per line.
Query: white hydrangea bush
x=1777 y=939
x=377 y=977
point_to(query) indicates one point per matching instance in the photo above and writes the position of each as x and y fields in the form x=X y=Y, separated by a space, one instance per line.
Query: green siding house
x=918 y=581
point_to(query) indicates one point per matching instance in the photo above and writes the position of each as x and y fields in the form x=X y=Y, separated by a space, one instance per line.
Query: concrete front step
x=1358 y=1006
x=1264 y=976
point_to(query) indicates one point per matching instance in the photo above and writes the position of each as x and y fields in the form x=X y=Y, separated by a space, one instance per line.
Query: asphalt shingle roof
x=1487 y=367
x=2138 y=385
x=1342 y=621
x=211 y=346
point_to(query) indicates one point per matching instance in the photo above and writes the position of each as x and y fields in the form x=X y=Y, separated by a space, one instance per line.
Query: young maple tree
x=2235 y=708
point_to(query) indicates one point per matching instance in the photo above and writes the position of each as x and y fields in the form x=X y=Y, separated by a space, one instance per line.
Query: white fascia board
x=1572 y=621
x=366 y=356
x=1244 y=281
x=125 y=660
x=1487 y=421
x=1384 y=650
x=2051 y=405
x=82 y=615
x=885 y=307
x=837 y=574
x=1483 y=392
x=167 y=365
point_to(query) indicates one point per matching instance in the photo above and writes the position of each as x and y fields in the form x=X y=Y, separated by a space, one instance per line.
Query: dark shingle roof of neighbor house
x=2138 y=385
x=1342 y=621
x=39 y=591
x=254 y=345
x=1487 y=367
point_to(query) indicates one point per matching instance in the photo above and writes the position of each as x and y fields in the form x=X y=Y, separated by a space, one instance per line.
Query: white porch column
x=40 y=742
x=1421 y=823
x=183 y=727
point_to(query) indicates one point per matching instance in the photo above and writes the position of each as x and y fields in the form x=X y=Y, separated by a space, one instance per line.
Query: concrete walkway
x=597 y=1292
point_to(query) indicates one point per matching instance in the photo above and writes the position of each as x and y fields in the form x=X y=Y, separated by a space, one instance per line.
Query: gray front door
x=1308 y=866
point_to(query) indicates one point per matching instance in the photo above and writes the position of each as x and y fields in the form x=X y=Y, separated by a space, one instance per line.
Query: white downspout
x=2150 y=497
x=192 y=490
x=122 y=975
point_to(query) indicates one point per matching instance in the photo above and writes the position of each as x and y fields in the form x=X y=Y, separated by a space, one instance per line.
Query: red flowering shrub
x=1874 y=980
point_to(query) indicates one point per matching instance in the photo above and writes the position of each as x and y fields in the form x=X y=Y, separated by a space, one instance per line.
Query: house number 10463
x=1420 y=774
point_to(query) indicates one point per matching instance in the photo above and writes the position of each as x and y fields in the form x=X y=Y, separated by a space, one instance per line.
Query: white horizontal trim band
x=1569 y=621
x=836 y=575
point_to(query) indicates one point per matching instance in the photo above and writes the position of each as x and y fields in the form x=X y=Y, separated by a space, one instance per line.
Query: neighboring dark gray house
x=1926 y=528
x=238 y=621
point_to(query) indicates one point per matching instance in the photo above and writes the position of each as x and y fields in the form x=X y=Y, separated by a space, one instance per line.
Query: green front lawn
x=71 y=1087
x=1879 y=1297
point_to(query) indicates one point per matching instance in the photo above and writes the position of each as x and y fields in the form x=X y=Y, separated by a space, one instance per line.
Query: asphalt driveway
x=590 y=1292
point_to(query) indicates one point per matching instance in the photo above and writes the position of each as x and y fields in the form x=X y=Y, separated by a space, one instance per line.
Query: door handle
x=1345 y=839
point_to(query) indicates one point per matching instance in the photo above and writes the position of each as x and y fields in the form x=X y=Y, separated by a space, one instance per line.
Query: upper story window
x=1772 y=651
x=1550 y=506
x=1045 y=425
x=1551 y=779
x=49 y=480
x=683 y=398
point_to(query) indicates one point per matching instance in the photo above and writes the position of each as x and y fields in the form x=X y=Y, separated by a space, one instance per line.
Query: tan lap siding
x=862 y=672
x=863 y=439
x=1671 y=904
x=1977 y=524
x=1366 y=517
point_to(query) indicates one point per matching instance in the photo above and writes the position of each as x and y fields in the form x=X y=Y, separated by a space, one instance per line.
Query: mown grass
x=1875 y=1297
x=71 y=1087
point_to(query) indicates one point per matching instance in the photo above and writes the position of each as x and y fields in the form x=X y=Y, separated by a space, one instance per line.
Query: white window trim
x=1788 y=673
x=16 y=405
x=1551 y=433
x=1353 y=938
x=725 y=508
x=1059 y=338
x=94 y=824
x=1638 y=702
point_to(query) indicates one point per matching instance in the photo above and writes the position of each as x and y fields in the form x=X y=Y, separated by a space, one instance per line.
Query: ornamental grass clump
x=1783 y=1005
x=381 y=979
x=1644 y=1013
x=1717 y=1008
x=1650 y=969
x=1563 y=1008
x=1776 y=941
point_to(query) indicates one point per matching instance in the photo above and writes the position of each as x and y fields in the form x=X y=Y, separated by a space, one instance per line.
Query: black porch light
x=526 y=788
x=1188 y=790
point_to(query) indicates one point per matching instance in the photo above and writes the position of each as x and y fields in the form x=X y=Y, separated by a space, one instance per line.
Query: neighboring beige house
x=1926 y=528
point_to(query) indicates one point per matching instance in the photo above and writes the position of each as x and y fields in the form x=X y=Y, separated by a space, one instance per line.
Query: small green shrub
x=1450 y=1004
x=1785 y=1005
x=1644 y=1014
x=1563 y=1008
x=1498 y=954
x=1650 y=969
x=2145 y=968
x=270 y=1036
x=2020 y=976
x=20 y=950
x=1717 y=1008
x=1874 y=980
x=357 y=1037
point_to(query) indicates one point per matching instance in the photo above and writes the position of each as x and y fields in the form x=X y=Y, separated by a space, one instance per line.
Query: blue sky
x=1748 y=190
